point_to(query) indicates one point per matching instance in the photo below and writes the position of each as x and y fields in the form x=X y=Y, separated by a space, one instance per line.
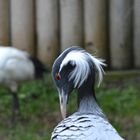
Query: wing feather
x=85 y=127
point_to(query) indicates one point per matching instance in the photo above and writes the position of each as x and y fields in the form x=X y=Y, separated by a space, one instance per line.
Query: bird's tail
x=40 y=68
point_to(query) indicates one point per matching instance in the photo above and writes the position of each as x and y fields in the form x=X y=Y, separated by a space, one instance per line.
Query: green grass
x=119 y=97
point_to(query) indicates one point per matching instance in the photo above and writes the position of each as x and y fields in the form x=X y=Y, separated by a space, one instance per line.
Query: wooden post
x=95 y=15
x=4 y=22
x=137 y=33
x=71 y=23
x=121 y=34
x=47 y=30
x=22 y=24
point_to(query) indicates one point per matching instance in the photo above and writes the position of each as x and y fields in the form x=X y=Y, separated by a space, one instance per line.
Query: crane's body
x=85 y=126
x=15 y=67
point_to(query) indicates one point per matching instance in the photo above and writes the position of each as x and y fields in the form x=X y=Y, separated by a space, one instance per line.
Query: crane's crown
x=82 y=64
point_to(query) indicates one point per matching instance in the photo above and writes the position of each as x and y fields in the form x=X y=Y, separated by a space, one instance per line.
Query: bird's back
x=15 y=66
x=7 y=53
x=85 y=127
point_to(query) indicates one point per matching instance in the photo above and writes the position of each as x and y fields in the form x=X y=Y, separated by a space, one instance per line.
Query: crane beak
x=63 y=97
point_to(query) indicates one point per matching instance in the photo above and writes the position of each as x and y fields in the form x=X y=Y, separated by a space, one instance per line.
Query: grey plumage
x=89 y=122
x=85 y=126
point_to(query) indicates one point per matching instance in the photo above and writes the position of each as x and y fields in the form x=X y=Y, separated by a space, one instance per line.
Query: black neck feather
x=87 y=102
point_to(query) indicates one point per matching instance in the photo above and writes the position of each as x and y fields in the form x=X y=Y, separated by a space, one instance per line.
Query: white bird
x=16 y=67
x=77 y=69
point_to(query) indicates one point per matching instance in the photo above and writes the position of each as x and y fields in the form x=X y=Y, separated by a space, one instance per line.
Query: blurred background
x=109 y=29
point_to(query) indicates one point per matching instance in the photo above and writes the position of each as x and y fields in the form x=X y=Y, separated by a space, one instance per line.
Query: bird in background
x=77 y=69
x=16 y=67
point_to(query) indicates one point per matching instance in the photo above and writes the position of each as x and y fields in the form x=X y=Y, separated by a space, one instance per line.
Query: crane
x=77 y=69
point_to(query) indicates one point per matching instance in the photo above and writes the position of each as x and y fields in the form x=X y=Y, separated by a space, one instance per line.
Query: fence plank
x=22 y=24
x=120 y=34
x=71 y=23
x=4 y=23
x=96 y=27
x=47 y=30
x=137 y=33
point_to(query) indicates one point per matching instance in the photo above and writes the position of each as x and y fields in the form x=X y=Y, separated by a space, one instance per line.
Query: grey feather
x=89 y=122
x=81 y=126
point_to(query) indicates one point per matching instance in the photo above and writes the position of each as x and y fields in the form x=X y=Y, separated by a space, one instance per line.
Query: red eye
x=57 y=76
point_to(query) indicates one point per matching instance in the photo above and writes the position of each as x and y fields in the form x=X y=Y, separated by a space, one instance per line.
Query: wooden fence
x=107 y=28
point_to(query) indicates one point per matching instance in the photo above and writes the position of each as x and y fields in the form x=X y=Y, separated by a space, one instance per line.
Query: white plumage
x=16 y=67
x=82 y=68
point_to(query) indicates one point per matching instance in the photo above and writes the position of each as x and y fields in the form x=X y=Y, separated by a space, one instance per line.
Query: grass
x=119 y=98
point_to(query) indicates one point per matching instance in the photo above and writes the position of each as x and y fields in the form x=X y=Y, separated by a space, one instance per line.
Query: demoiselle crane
x=77 y=69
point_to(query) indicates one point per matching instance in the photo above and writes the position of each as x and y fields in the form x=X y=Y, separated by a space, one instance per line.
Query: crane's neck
x=87 y=101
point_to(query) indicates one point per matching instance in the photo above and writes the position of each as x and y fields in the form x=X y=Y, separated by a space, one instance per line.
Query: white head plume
x=80 y=73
